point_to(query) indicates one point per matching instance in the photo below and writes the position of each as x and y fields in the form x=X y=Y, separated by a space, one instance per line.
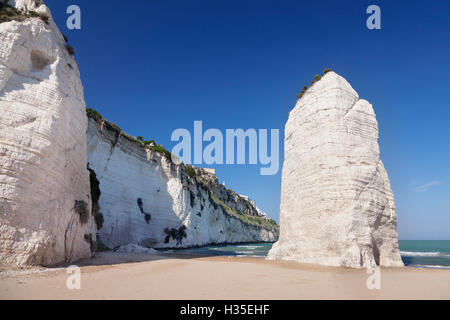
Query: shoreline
x=114 y=275
x=406 y=255
x=213 y=244
x=415 y=266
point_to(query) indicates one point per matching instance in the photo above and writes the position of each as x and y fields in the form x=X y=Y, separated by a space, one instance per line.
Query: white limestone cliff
x=143 y=194
x=43 y=170
x=337 y=207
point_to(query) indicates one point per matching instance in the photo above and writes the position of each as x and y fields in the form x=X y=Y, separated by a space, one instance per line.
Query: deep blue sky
x=154 y=66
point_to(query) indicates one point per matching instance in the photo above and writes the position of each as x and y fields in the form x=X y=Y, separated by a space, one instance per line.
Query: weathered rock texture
x=148 y=200
x=42 y=145
x=337 y=207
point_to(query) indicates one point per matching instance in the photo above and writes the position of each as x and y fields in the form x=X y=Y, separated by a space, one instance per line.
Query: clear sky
x=154 y=66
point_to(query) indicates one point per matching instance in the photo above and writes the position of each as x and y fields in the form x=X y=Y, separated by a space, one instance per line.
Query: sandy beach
x=112 y=275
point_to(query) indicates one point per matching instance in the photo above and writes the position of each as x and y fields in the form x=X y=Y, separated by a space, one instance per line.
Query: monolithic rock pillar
x=337 y=207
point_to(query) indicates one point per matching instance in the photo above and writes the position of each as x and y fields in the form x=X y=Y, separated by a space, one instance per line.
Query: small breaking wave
x=424 y=254
x=249 y=247
x=426 y=266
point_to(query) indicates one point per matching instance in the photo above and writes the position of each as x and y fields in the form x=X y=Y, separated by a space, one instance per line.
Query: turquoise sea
x=415 y=253
x=426 y=253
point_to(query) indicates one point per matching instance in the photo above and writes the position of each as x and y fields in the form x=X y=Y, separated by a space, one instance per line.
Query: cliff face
x=137 y=195
x=44 y=183
x=148 y=200
x=337 y=207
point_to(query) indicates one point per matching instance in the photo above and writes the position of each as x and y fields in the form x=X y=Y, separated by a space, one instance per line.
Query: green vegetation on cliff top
x=95 y=115
x=255 y=221
x=316 y=78
x=10 y=13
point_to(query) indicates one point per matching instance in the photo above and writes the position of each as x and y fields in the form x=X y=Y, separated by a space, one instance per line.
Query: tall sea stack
x=337 y=207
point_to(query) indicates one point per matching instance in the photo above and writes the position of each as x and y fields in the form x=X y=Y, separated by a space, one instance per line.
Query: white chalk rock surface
x=42 y=145
x=337 y=207
x=145 y=198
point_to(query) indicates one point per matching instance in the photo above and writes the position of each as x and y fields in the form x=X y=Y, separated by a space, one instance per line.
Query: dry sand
x=138 y=276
